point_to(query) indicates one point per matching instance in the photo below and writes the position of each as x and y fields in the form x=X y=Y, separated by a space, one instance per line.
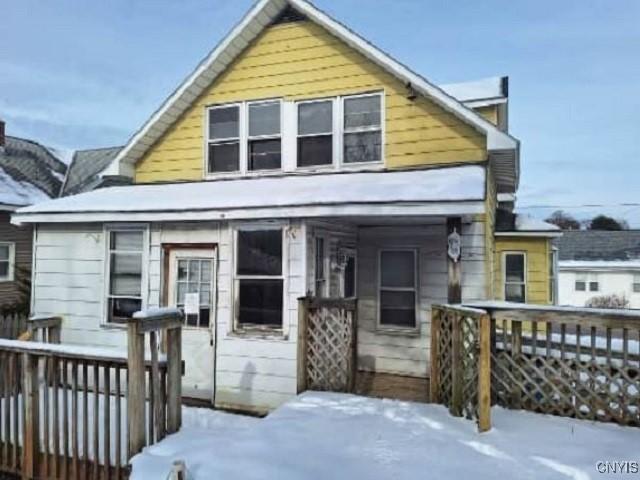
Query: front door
x=191 y=286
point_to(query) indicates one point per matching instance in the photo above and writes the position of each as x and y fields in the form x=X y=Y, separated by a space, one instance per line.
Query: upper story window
x=315 y=133
x=264 y=142
x=224 y=139
x=362 y=129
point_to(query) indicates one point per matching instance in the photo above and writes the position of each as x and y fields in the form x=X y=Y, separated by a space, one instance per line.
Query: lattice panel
x=469 y=366
x=329 y=349
x=445 y=358
x=590 y=390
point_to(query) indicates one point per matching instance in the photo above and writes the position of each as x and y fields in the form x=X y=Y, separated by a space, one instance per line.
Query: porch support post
x=454 y=270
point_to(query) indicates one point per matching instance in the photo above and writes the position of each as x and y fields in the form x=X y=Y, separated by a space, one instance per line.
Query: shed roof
x=599 y=245
x=86 y=168
x=453 y=190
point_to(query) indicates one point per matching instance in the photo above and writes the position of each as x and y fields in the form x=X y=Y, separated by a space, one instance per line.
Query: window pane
x=260 y=252
x=223 y=123
x=315 y=151
x=397 y=300
x=194 y=270
x=182 y=290
x=224 y=157
x=260 y=302
x=126 y=274
x=362 y=147
x=192 y=320
x=182 y=269
x=264 y=154
x=205 y=294
x=121 y=309
x=205 y=272
x=4 y=269
x=4 y=252
x=398 y=317
x=593 y=286
x=514 y=268
x=581 y=286
x=126 y=241
x=315 y=117
x=264 y=119
x=397 y=269
x=514 y=293
x=362 y=112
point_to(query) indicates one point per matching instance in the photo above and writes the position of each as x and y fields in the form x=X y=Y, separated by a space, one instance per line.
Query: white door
x=192 y=277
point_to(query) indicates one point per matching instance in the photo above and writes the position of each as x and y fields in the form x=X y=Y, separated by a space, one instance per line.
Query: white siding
x=611 y=282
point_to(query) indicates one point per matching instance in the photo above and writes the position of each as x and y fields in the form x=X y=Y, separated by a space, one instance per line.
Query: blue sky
x=77 y=74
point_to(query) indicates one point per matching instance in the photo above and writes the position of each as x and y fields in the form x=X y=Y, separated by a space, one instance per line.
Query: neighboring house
x=596 y=263
x=29 y=173
x=86 y=171
x=296 y=159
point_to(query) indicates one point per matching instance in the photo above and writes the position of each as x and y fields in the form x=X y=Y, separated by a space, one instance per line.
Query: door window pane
x=265 y=154
x=194 y=276
x=259 y=252
x=260 y=302
x=224 y=123
x=264 y=119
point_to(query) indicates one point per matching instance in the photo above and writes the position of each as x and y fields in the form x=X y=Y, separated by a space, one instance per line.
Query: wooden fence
x=580 y=363
x=12 y=325
x=82 y=412
x=327 y=344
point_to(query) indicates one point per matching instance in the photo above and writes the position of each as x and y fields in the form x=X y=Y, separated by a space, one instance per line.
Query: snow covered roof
x=477 y=93
x=29 y=173
x=261 y=15
x=85 y=171
x=442 y=191
x=516 y=224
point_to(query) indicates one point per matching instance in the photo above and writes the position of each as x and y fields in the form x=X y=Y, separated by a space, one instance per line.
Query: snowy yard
x=331 y=436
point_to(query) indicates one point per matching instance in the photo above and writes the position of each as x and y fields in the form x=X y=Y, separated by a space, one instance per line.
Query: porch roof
x=442 y=191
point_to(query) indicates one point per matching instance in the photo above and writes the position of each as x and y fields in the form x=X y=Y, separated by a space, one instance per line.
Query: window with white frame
x=594 y=284
x=636 y=283
x=7 y=260
x=259 y=278
x=223 y=149
x=515 y=277
x=315 y=133
x=125 y=257
x=581 y=282
x=362 y=128
x=397 y=288
x=321 y=283
x=264 y=151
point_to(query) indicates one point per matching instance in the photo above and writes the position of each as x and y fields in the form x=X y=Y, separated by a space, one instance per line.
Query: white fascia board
x=484 y=103
x=346 y=210
x=549 y=234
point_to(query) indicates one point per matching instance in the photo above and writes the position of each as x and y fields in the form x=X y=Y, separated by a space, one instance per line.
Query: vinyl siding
x=21 y=237
x=489 y=113
x=537 y=250
x=299 y=61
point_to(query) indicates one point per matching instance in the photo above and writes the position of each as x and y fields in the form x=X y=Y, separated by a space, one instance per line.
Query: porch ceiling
x=443 y=191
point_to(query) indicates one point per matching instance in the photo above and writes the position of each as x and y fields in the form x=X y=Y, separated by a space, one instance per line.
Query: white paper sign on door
x=191 y=303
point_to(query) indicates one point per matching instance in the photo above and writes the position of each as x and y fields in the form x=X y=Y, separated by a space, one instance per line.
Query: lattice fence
x=328 y=344
x=460 y=361
x=583 y=370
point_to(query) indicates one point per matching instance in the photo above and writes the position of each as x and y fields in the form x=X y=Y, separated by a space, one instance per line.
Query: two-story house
x=296 y=159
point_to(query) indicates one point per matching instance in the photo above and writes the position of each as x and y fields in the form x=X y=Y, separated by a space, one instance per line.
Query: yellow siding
x=300 y=61
x=489 y=113
x=537 y=250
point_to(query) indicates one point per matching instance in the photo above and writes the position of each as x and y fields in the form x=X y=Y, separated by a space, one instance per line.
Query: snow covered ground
x=332 y=436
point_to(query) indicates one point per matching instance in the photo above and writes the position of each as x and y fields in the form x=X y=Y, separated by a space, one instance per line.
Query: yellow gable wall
x=489 y=113
x=537 y=250
x=300 y=61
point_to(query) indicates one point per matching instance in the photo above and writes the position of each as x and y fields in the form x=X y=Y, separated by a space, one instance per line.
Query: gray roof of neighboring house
x=599 y=245
x=85 y=169
x=29 y=172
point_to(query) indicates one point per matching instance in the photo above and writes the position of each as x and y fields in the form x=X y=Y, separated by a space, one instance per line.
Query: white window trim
x=416 y=290
x=243 y=139
x=335 y=148
x=10 y=277
x=235 y=327
x=342 y=131
x=504 y=273
x=581 y=278
x=144 y=288
x=200 y=255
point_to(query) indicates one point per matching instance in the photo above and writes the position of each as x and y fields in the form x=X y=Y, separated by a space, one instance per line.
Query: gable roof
x=85 y=171
x=29 y=173
x=259 y=17
x=599 y=245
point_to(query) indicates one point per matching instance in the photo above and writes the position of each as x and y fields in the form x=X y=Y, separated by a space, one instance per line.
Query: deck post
x=135 y=388
x=484 y=374
x=434 y=381
x=174 y=379
x=303 y=311
x=31 y=396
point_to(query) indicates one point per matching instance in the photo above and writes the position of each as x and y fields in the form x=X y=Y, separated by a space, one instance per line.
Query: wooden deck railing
x=83 y=412
x=46 y=328
x=327 y=344
x=575 y=362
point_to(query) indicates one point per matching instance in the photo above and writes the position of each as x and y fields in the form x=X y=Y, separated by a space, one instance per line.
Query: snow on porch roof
x=454 y=190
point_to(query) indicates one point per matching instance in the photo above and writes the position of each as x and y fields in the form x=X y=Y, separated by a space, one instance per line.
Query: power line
x=586 y=205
